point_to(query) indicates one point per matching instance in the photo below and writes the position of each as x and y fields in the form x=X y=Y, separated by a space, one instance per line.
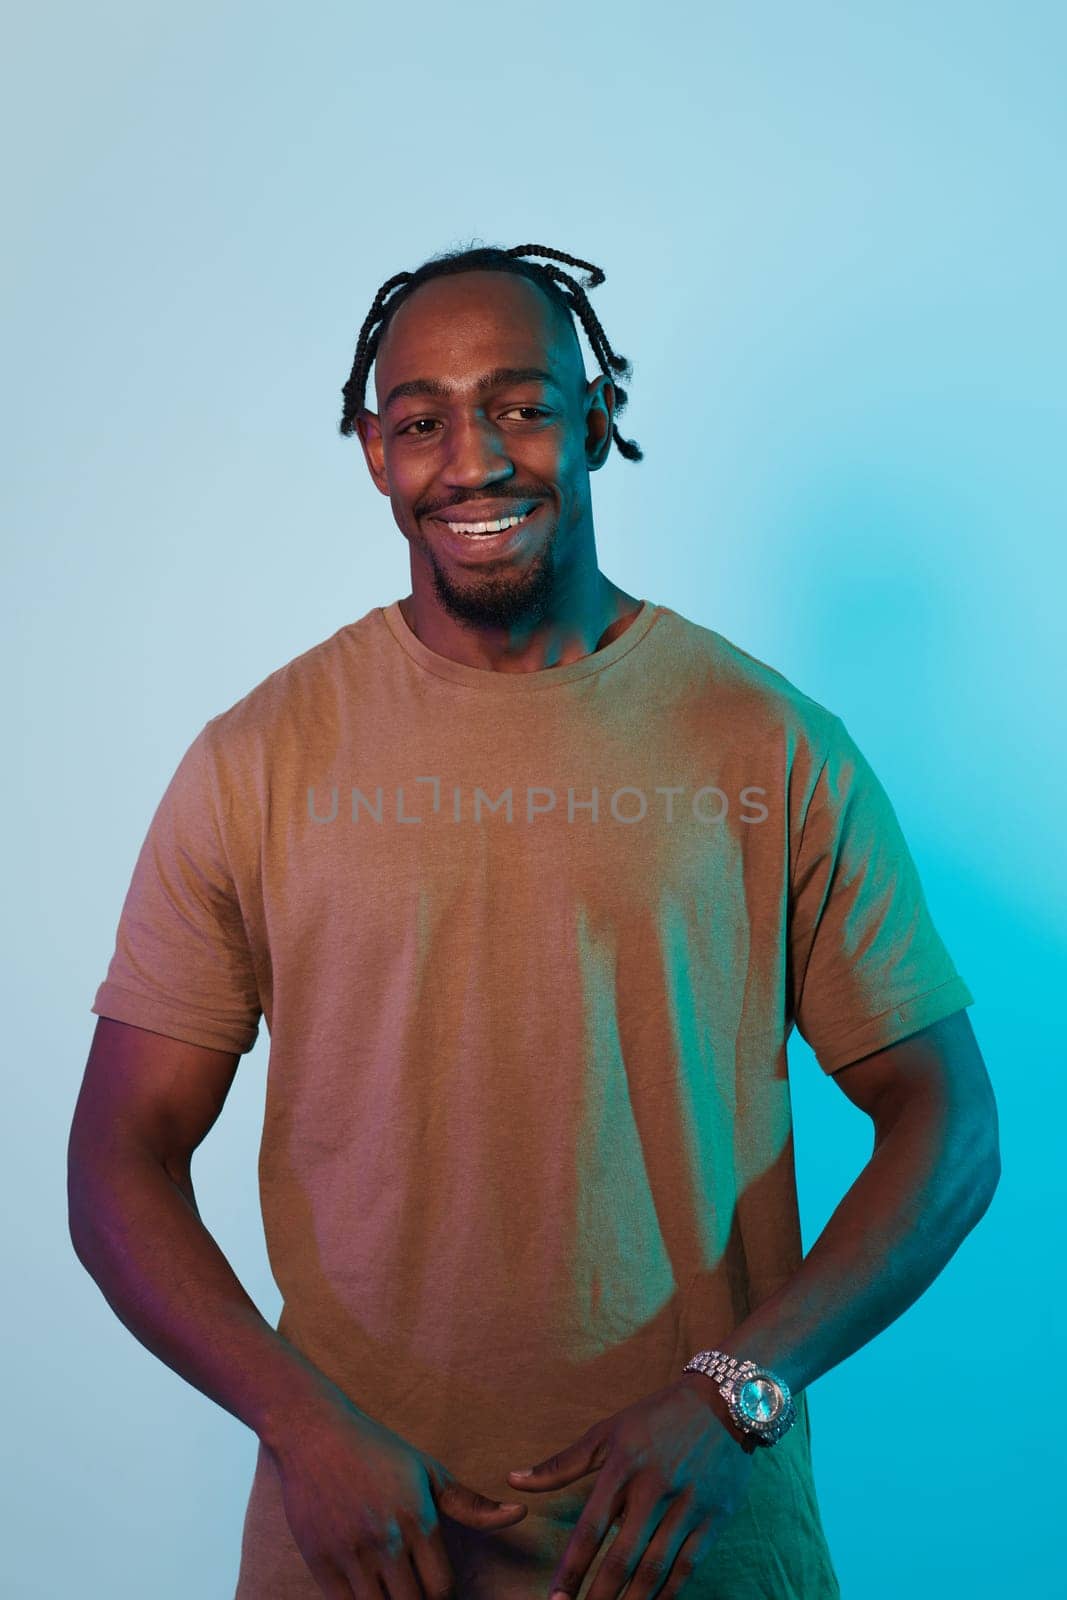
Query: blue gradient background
x=834 y=246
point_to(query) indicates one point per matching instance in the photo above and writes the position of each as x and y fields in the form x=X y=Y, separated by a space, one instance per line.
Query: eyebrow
x=497 y=379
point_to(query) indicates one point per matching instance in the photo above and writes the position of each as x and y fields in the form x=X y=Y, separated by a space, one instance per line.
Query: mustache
x=480 y=499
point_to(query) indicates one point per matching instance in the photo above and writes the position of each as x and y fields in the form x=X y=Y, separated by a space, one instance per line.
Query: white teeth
x=488 y=527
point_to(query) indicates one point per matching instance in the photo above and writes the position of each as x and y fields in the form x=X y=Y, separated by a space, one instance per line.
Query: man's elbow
x=980 y=1158
x=967 y=1145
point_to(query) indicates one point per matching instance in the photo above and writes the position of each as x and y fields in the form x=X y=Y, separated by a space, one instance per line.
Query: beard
x=508 y=597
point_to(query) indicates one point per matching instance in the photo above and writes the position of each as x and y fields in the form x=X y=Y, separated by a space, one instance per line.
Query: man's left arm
x=931 y=1177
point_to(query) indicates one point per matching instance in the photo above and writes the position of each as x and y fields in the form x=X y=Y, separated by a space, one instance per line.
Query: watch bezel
x=770 y=1431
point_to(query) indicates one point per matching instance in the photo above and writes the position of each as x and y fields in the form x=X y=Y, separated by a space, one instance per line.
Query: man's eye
x=418 y=422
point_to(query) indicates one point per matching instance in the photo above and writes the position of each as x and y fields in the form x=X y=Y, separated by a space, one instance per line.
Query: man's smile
x=477 y=536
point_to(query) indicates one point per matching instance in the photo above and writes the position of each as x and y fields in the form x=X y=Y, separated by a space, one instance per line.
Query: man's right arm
x=146 y=1102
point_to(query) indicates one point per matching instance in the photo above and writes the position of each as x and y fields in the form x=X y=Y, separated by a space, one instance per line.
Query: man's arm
x=145 y=1104
x=933 y=1173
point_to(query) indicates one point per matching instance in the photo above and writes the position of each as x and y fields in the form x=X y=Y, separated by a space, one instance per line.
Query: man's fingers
x=399 y=1580
x=689 y=1557
x=602 y=1510
x=361 y=1579
x=644 y=1552
x=432 y=1563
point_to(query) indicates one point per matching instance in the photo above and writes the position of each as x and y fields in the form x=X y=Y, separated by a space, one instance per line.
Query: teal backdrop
x=834 y=245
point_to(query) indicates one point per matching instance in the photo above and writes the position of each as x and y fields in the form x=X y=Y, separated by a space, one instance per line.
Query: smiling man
x=503 y=554
x=531 y=880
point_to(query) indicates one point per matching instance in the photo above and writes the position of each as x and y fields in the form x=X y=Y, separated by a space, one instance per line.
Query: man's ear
x=599 y=417
x=370 y=437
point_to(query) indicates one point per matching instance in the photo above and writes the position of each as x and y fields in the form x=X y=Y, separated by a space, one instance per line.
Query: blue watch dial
x=759 y=1400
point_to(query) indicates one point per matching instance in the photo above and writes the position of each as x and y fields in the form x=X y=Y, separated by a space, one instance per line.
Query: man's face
x=476 y=451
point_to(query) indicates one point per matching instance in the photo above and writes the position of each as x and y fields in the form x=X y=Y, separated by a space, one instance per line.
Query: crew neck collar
x=492 y=682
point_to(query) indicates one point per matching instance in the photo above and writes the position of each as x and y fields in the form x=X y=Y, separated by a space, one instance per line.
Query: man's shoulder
x=304 y=690
x=744 y=689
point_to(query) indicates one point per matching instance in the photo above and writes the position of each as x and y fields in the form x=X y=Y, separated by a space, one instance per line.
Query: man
x=531 y=880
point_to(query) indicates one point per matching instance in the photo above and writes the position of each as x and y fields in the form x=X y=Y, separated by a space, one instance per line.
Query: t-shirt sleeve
x=182 y=965
x=868 y=966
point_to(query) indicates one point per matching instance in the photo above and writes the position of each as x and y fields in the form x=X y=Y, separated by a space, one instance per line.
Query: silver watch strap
x=718 y=1365
x=729 y=1373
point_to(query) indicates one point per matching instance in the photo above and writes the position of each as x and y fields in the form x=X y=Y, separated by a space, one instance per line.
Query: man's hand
x=364 y=1505
x=671 y=1468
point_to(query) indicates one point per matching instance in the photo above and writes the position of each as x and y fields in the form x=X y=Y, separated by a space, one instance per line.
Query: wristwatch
x=758 y=1400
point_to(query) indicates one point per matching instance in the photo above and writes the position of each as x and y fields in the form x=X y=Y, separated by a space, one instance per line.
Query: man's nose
x=476 y=453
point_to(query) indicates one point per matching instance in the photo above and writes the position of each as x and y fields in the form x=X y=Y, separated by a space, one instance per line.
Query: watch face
x=760 y=1400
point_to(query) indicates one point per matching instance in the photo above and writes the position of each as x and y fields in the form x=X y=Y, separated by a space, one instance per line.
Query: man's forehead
x=484 y=383
x=512 y=331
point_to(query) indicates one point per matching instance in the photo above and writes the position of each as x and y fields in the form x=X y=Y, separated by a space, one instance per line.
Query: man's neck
x=553 y=643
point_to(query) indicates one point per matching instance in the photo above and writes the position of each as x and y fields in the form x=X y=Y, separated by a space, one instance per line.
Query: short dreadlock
x=489 y=258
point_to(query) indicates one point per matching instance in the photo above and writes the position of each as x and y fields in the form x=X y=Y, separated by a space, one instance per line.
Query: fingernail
x=522 y=1472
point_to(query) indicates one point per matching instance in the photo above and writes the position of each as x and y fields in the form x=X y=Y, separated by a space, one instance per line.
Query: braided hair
x=490 y=258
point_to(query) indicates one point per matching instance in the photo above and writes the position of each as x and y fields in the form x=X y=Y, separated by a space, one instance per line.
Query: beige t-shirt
x=529 y=947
